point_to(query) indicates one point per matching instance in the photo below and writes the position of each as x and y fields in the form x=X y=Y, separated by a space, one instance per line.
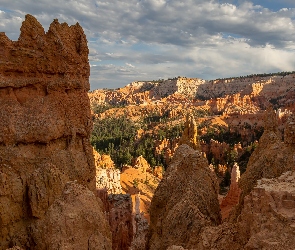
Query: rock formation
x=140 y=227
x=233 y=195
x=106 y=175
x=141 y=164
x=102 y=161
x=265 y=222
x=109 y=179
x=184 y=202
x=289 y=132
x=266 y=219
x=272 y=157
x=190 y=133
x=74 y=221
x=121 y=218
x=118 y=209
x=45 y=125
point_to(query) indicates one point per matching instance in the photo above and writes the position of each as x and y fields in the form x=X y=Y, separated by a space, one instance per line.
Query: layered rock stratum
x=45 y=125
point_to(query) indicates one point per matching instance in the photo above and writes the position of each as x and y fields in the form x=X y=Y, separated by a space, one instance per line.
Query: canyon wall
x=247 y=92
x=45 y=125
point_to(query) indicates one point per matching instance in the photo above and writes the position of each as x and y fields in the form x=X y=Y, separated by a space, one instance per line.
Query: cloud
x=166 y=38
x=130 y=65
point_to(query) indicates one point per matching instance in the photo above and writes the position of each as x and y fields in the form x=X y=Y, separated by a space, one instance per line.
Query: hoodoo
x=47 y=171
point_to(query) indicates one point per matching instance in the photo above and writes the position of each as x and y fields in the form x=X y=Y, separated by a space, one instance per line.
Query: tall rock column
x=190 y=133
x=45 y=125
x=232 y=197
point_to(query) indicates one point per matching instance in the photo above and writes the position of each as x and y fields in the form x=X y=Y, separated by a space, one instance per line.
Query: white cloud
x=130 y=65
x=166 y=38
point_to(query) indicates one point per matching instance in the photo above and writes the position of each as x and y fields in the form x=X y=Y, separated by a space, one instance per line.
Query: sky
x=134 y=40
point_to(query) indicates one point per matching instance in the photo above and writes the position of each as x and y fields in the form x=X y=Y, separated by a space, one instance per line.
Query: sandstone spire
x=46 y=161
x=184 y=202
x=190 y=133
x=232 y=197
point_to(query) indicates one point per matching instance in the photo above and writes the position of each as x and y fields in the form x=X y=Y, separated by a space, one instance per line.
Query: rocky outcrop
x=235 y=104
x=268 y=214
x=106 y=175
x=118 y=208
x=121 y=217
x=266 y=220
x=141 y=164
x=233 y=195
x=74 y=221
x=190 y=133
x=272 y=157
x=182 y=206
x=109 y=179
x=140 y=227
x=45 y=125
x=103 y=161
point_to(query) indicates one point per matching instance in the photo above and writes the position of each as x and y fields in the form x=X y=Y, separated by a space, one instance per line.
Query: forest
x=118 y=137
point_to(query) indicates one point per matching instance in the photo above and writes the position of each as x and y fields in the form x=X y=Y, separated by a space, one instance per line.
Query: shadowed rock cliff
x=45 y=124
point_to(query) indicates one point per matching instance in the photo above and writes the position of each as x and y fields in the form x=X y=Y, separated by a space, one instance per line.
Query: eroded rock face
x=184 y=202
x=121 y=220
x=141 y=164
x=270 y=209
x=74 y=221
x=272 y=157
x=190 y=133
x=109 y=179
x=45 y=124
x=44 y=186
x=266 y=220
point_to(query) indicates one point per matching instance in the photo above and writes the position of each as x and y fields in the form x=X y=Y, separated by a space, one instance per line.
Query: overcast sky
x=132 y=40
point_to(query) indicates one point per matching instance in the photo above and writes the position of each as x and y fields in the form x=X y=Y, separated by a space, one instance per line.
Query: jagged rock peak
x=271 y=134
x=190 y=133
x=184 y=202
x=61 y=53
x=31 y=31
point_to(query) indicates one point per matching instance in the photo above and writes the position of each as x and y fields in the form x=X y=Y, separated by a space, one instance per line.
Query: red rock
x=233 y=195
x=45 y=125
